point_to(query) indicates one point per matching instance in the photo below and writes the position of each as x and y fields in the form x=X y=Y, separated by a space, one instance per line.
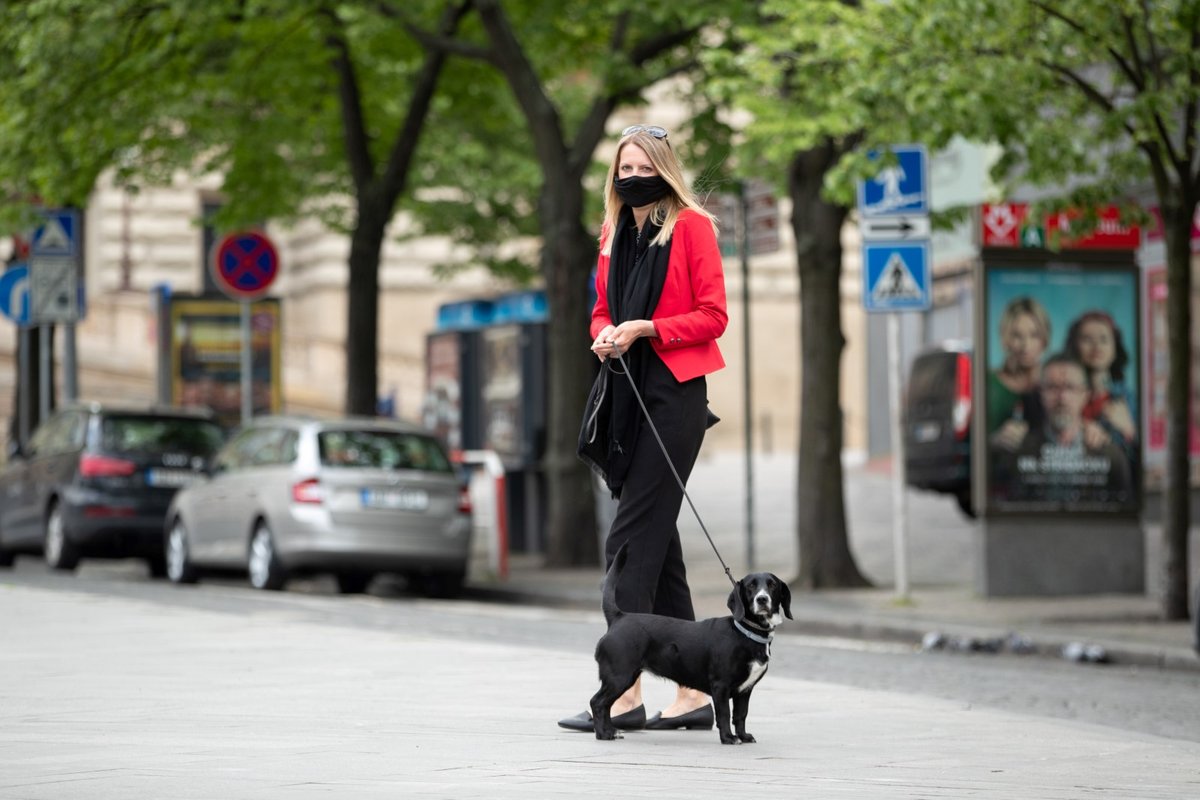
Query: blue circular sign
x=245 y=264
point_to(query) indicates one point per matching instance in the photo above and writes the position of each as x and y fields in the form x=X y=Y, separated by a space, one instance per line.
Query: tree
x=1108 y=104
x=569 y=67
x=297 y=104
x=787 y=76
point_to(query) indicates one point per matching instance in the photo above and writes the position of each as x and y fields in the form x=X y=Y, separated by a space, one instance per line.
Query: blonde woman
x=660 y=305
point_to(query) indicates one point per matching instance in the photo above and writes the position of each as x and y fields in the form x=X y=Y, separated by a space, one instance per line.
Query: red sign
x=1010 y=225
x=245 y=264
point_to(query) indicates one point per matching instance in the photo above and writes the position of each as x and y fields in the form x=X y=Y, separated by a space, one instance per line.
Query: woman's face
x=1096 y=346
x=1023 y=342
x=634 y=163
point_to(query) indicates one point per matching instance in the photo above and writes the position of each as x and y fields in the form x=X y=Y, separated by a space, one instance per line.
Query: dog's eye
x=770 y=584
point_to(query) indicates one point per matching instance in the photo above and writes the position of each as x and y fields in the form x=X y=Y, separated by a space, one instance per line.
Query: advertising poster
x=503 y=390
x=1157 y=355
x=442 y=409
x=206 y=349
x=1062 y=392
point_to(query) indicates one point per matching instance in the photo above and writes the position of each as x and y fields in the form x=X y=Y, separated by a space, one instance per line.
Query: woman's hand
x=619 y=339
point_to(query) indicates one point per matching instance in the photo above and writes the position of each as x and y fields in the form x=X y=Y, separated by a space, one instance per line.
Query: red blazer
x=691 y=312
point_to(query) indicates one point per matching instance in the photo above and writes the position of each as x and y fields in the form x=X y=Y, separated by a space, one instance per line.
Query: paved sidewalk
x=1124 y=629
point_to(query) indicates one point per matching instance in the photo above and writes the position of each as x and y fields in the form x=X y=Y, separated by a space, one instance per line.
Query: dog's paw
x=609 y=735
x=747 y=738
x=729 y=738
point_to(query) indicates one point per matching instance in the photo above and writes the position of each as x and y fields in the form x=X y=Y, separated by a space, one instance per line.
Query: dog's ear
x=785 y=597
x=736 y=603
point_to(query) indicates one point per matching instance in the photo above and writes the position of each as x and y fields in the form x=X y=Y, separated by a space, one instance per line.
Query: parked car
x=96 y=480
x=351 y=497
x=937 y=422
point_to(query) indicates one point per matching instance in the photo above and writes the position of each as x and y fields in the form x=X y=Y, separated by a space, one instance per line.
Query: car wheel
x=445 y=585
x=6 y=557
x=353 y=582
x=265 y=570
x=60 y=552
x=179 y=565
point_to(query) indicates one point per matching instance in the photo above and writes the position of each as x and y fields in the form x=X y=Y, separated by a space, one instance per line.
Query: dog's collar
x=754 y=637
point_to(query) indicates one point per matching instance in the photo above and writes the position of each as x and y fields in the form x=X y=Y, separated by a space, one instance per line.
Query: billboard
x=205 y=355
x=1062 y=393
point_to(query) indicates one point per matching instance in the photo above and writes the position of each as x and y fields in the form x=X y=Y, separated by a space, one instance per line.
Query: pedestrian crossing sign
x=896 y=276
x=58 y=235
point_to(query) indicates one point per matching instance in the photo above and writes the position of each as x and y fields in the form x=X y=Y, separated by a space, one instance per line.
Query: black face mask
x=637 y=192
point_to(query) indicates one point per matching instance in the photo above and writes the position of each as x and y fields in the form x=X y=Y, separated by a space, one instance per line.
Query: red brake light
x=308 y=491
x=962 y=398
x=464 y=500
x=93 y=466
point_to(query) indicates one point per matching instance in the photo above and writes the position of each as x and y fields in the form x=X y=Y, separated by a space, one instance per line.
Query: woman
x=1095 y=341
x=1012 y=398
x=660 y=306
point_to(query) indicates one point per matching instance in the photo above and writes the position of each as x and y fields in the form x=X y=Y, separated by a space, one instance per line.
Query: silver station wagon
x=351 y=497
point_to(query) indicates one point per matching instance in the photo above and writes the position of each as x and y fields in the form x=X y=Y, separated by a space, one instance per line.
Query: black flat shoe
x=699 y=720
x=632 y=720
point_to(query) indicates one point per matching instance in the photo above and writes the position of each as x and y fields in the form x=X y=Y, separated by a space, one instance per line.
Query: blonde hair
x=1026 y=306
x=666 y=211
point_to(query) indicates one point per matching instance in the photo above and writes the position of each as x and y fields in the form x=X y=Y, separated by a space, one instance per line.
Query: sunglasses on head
x=653 y=130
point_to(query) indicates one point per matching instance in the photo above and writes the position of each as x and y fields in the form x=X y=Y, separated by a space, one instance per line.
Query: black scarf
x=613 y=418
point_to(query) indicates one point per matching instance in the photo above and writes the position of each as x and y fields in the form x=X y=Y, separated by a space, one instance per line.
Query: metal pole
x=44 y=366
x=899 y=508
x=24 y=375
x=247 y=366
x=746 y=373
x=70 y=364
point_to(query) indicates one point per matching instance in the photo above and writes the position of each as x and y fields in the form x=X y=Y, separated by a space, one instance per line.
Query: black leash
x=670 y=464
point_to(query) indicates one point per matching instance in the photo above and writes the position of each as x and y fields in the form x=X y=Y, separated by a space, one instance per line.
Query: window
x=381 y=449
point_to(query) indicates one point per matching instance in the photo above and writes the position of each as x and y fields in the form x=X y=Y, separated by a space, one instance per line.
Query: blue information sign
x=58 y=235
x=898 y=189
x=896 y=276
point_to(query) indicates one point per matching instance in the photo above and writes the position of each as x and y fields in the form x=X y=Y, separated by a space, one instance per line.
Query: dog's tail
x=608 y=597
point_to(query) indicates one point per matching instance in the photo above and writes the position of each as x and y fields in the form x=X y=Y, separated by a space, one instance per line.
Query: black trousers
x=654 y=579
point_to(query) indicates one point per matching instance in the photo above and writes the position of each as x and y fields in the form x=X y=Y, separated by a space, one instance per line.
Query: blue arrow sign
x=896 y=276
x=14 y=294
x=897 y=189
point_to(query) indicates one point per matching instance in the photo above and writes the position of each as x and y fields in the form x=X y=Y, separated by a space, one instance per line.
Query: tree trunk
x=362 y=323
x=1177 y=225
x=568 y=255
x=825 y=557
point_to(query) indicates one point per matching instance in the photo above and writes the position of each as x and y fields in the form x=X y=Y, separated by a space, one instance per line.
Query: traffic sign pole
x=899 y=501
x=247 y=366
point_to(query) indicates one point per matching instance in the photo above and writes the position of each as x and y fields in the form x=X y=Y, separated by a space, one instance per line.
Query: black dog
x=723 y=656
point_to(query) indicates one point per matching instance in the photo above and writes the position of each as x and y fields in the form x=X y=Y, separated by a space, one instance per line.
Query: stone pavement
x=226 y=693
x=942 y=604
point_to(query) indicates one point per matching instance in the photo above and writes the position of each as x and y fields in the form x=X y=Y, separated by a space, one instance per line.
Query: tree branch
x=1132 y=74
x=438 y=41
x=405 y=146
x=354 y=129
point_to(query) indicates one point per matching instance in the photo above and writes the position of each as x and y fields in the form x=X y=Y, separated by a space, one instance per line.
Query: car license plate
x=927 y=431
x=170 y=478
x=396 y=499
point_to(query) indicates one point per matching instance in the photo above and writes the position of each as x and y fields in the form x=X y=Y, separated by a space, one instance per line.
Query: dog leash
x=670 y=464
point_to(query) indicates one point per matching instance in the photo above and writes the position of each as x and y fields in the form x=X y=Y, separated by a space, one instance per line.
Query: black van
x=937 y=422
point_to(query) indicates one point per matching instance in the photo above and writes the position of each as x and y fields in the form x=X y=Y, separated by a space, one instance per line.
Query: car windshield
x=153 y=434
x=382 y=449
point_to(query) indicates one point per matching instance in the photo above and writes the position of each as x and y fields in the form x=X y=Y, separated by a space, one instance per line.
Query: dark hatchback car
x=937 y=423
x=96 y=481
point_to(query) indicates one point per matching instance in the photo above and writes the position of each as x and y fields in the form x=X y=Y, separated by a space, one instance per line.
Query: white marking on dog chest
x=757 y=668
